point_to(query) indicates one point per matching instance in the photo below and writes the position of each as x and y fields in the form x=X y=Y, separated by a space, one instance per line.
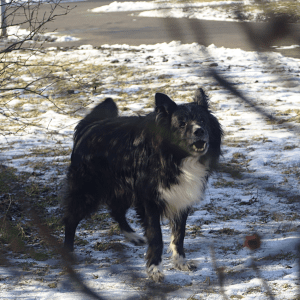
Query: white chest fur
x=190 y=188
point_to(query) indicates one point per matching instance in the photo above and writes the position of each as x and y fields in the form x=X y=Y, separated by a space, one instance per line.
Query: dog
x=159 y=164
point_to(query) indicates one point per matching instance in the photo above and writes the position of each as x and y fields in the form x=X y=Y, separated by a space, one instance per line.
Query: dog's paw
x=134 y=238
x=155 y=273
x=182 y=264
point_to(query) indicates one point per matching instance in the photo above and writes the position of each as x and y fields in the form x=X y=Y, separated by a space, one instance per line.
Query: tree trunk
x=3 y=19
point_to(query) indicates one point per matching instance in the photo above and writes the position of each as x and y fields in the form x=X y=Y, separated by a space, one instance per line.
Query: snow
x=13 y=2
x=15 y=34
x=210 y=10
x=287 y=47
x=234 y=207
x=144 y=5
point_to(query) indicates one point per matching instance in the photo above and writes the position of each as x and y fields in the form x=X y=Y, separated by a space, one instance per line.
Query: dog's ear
x=105 y=110
x=201 y=98
x=109 y=108
x=163 y=104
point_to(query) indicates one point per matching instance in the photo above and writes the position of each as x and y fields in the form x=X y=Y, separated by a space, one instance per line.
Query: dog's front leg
x=155 y=243
x=176 y=245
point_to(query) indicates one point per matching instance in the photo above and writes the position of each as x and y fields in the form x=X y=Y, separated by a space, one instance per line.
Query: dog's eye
x=182 y=124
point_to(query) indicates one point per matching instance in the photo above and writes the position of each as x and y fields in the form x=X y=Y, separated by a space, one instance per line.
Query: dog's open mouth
x=199 y=146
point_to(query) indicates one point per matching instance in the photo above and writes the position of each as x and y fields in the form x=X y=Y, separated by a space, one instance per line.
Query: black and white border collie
x=158 y=164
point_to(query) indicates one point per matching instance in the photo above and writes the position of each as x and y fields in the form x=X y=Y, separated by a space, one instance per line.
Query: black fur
x=141 y=162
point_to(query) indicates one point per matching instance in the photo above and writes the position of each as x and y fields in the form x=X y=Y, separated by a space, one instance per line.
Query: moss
x=223 y=183
x=7 y=177
x=293 y=199
x=109 y=246
x=32 y=189
x=238 y=155
x=52 y=285
x=39 y=256
x=195 y=230
x=289 y=147
x=27 y=266
x=12 y=235
x=80 y=242
x=235 y=171
x=256 y=289
x=54 y=223
x=263 y=178
x=225 y=231
x=281 y=256
x=114 y=229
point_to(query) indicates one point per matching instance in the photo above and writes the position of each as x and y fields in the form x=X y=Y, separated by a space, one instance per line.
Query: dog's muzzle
x=201 y=140
x=200 y=146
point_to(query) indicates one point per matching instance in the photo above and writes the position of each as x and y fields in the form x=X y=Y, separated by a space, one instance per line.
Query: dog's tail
x=105 y=110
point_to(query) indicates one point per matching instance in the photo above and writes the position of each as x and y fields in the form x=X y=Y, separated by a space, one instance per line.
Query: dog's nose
x=199 y=132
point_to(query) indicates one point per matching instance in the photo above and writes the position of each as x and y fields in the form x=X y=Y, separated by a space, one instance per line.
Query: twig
x=265 y=285
x=219 y=272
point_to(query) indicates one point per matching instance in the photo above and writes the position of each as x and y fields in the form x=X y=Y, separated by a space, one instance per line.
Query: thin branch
x=219 y=272
x=265 y=285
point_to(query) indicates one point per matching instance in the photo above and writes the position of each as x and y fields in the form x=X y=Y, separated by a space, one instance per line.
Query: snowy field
x=213 y=10
x=201 y=9
x=255 y=190
x=16 y=34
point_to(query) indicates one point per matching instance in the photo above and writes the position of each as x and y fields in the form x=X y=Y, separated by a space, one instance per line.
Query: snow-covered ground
x=256 y=189
x=210 y=10
x=15 y=34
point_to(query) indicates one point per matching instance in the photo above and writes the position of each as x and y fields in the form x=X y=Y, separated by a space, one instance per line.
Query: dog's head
x=189 y=121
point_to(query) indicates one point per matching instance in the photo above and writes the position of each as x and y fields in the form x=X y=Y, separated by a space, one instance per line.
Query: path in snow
x=124 y=28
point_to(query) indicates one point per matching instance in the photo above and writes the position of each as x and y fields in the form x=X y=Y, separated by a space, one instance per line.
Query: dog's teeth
x=195 y=148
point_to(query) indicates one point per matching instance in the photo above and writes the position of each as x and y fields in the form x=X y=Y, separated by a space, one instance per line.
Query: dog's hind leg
x=130 y=235
x=176 y=245
x=70 y=229
x=77 y=207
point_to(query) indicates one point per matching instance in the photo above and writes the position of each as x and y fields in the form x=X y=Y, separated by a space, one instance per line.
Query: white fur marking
x=179 y=261
x=134 y=238
x=172 y=247
x=175 y=255
x=156 y=272
x=190 y=188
